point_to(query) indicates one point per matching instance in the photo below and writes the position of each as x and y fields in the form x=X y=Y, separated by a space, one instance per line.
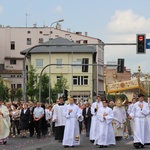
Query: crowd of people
x=103 y=122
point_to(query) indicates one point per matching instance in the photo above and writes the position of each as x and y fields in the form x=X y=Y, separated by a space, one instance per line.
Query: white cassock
x=141 y=129
x=148 y=122
x=94 y=119
x=4 y=124
x=58 y=115
x=105 y=133
x=131 y=120
x=71 y=133
x=119 y=120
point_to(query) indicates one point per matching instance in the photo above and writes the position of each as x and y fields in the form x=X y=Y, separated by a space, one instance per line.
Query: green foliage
x=59 y=86
x=31 y=83
x=33 y=87
x=18 y=94
x=4 y=91
x=44 y=88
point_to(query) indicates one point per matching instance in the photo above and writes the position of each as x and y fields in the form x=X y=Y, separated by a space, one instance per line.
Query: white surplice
x=141 y=128
x=71 y=133
x=4 y=123
x=94 y=119
x=148 y=125
x=58 y=115
x=105 y=133
x=119 y=120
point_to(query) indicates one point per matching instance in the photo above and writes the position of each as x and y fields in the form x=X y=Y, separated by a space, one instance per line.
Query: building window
x=18 y=86
x=41 y=32
x=28 y=32
x=51 y=32
x=59 y=62
x=80 y=80
x=58 y=77
x=12 y=45
x=19 y=76
x=40 y=40
x=77 y=63
x=28 y=41
x=13 y=62
x=13 y=86
x=39 y=62
x=78 y=41
x=12 y=76
x=85 y=41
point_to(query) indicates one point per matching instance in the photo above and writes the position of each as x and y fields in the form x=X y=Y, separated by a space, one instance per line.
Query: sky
x=115 y=21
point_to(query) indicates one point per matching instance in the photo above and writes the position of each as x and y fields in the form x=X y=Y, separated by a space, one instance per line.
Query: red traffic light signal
x=140 y=38
x=141 y=44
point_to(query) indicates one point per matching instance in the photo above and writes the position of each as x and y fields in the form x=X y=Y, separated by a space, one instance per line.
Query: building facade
x=15 y=39
x=67 y=61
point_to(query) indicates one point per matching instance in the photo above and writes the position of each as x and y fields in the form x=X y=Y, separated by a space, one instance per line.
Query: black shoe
x=66 y=146
x=105 y=146
x=5 y=142
x=92 y=141
x=101 y=146
x=141 y=145
x=136 y=145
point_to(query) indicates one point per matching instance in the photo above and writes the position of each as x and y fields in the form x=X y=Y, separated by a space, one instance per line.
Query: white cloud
x=58 y=9
x=122 y=28
x=128 y=21
x=1 y=9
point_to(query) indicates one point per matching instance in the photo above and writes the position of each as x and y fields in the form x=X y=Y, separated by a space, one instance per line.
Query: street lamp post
x=50 y=56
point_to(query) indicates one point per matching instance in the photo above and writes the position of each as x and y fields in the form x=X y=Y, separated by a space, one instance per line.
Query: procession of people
x=103 y=122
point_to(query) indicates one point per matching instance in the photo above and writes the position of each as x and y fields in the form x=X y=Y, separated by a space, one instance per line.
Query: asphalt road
x=47 y=143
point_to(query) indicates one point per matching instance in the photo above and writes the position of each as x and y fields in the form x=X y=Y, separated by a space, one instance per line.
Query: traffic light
x=120 y=67
x=65 y=94
x=85 y=62
x=141 y=44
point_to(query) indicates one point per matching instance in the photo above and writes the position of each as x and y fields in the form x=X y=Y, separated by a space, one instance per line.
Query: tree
x=44 y=88
x=18 y=94
x=31 y=83
x=4 y=91
x=59 y=87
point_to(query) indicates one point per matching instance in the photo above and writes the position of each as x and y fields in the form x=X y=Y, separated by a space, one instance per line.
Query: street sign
x=147 y=43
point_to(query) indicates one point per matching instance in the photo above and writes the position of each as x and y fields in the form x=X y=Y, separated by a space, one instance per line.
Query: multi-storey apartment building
x=15 y=39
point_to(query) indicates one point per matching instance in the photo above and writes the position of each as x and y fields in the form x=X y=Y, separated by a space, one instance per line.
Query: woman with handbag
x=15 y=120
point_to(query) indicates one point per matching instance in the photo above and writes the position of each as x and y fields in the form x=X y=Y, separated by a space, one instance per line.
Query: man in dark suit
x=31 y=119
x=87 y=118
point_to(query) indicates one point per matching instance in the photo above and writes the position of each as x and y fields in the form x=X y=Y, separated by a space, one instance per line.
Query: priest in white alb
x=94 y=108
x=120 y=117
x=59 y=119
x=141 y=129
x=4 y=123
x=105 y=133
x=71 y=133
